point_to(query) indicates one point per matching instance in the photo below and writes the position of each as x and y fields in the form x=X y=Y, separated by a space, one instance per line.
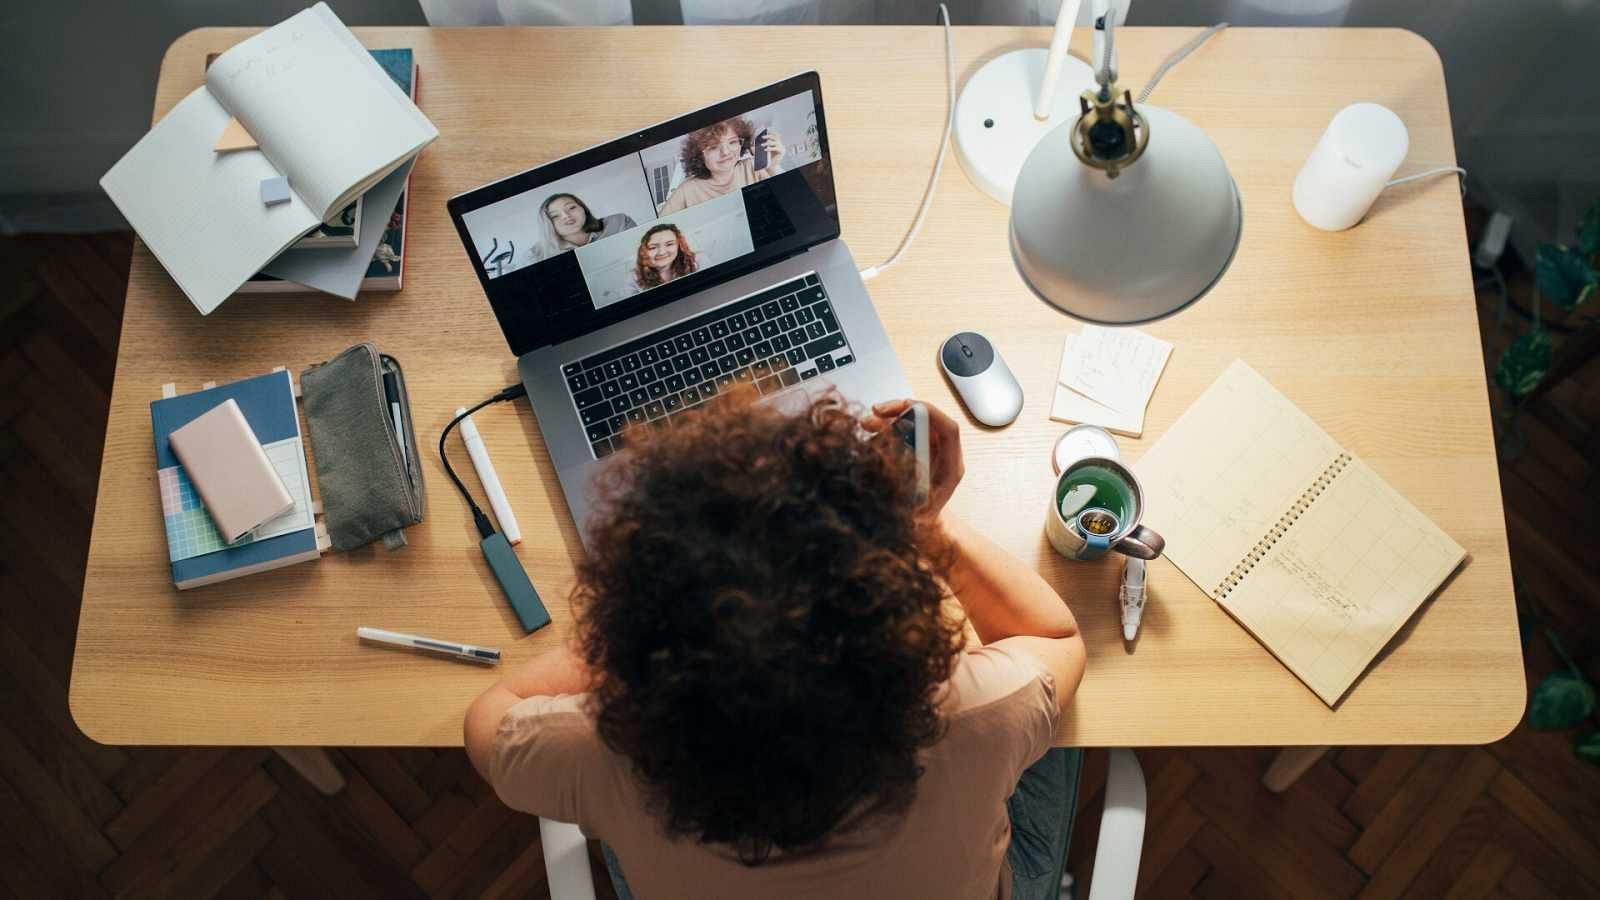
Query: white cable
x=1178 y=57
x=871 y=272
x=1429 y=174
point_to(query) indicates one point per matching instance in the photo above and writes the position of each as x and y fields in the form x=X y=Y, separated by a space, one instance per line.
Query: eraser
x=275 y=190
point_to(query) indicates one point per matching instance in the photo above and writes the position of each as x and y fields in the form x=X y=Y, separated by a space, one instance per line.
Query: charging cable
x=871 y=272
x=485 y=527
x=497 y=552
x=1176 y=57
x=1442 y=170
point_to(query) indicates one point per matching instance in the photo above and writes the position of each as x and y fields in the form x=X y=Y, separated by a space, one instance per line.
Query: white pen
x=491 y=481
x=460 y=651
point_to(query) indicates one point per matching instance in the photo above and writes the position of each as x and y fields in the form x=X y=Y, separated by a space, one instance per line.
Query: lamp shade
x=1132 y=248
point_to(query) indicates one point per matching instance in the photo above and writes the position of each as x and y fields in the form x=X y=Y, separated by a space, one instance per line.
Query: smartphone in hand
x=912 y=428
x=758 y=150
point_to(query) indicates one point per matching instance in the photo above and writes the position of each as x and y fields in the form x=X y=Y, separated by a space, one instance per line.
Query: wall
x=78 y=81
x=1521 y=78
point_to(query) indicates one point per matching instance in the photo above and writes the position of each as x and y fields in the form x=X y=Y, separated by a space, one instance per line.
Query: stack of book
x=286 y=171
x=226 y=459
x=386 y=264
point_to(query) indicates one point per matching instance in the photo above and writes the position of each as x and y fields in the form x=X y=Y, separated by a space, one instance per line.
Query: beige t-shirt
x=699 y=190
x=1001 y=709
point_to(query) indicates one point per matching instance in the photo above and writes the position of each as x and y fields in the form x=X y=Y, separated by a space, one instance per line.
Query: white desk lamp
x=1013 y=101
x=1123 y=213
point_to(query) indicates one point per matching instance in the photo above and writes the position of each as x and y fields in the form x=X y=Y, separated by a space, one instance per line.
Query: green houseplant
x=1566 y=276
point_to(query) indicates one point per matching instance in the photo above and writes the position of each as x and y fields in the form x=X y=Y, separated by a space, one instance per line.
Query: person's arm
x=1003 y=597
x=546 y=675
x=675 y=200
x=1007 y=602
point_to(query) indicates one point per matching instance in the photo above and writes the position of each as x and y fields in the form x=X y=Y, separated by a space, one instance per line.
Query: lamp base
x=995 y=129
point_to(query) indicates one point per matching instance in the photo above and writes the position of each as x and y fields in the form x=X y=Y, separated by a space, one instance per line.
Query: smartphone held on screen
x=758 y=150
x=912 y=428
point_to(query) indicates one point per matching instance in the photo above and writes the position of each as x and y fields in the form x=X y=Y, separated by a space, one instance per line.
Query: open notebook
x=324 y=114
x=1296 y=538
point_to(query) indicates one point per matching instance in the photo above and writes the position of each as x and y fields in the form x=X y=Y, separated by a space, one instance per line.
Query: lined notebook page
x=1303 y=544
x=1343 y=578
x=323 y=110
x=1226 y=471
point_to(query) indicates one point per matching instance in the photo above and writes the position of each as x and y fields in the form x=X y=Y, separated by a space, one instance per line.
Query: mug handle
x=1141 y=542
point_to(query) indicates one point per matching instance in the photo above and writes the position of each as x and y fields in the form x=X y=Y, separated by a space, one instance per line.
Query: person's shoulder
x=550 y=761
x=1000 y=708
x=563 y=714
x=996 y=675
x=678 y=199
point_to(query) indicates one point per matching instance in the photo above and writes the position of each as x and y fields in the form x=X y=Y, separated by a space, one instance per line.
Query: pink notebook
x=230 y=470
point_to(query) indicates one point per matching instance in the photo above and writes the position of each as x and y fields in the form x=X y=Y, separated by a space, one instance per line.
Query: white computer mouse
x=981 y=378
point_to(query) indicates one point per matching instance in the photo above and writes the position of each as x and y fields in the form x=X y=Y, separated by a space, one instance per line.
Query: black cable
x=485 y=527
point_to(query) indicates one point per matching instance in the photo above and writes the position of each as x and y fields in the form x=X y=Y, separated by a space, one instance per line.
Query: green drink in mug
x=1096 y=507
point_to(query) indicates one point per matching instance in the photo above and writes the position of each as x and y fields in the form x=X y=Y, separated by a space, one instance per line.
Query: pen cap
x=469 y=430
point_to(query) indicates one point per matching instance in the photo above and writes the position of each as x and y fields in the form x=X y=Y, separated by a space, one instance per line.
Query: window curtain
x=744 y=12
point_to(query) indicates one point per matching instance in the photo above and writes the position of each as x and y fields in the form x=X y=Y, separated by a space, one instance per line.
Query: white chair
x=1116 y=855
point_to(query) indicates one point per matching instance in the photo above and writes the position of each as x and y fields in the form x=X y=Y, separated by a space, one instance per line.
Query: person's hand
x=945 y=466
x=773 y=144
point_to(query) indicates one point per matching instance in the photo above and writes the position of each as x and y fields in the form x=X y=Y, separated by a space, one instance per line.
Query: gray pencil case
x=371 y=485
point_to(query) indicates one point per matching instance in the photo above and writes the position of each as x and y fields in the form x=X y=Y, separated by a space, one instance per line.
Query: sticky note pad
x=275 y=190
x=1107 y=376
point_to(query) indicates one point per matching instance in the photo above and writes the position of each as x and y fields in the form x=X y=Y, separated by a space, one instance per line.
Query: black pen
x=391 y=392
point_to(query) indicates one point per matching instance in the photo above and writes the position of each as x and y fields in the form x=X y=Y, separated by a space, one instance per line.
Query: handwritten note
x=1115 y=367
x=1107 y=376
x=1301 y=542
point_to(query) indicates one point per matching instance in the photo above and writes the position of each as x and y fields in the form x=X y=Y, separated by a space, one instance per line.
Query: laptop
x=640 y=278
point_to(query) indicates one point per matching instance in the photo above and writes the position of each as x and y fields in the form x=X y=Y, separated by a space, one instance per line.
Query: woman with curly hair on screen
x=770 y=690
x=664 y=254
x=718 y=160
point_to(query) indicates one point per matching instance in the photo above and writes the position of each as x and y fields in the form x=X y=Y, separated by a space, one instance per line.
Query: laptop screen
x=608 y=232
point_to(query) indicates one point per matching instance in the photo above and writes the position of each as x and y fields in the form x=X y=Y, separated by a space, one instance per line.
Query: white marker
x=460 y=651
x=1132 y=594
x=491 y=481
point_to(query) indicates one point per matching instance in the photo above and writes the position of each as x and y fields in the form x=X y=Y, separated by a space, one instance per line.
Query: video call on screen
x=555 y=255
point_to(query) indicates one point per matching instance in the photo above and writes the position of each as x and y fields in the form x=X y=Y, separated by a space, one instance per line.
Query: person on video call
x=718 y=159
x=566 y=223
x=770 y=691
x=664 y=254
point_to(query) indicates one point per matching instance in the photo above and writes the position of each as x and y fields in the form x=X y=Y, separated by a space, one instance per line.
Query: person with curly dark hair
x=718 y=159
x=770 y=693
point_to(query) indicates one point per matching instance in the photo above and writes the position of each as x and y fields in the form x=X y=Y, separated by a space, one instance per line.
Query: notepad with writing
x=1296 y=538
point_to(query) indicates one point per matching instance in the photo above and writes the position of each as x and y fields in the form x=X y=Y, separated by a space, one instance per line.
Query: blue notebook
x=194 y=546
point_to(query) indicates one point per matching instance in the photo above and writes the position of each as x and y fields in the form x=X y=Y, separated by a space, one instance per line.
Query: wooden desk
x=1371 y=331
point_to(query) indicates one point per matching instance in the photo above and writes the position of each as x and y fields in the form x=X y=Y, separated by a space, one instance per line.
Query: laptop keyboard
x=773 y=339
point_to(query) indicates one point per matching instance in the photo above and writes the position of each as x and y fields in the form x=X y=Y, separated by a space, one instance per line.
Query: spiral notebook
x=1295 y=537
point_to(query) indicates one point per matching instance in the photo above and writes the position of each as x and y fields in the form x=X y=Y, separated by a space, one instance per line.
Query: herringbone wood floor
x=1518 y=819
